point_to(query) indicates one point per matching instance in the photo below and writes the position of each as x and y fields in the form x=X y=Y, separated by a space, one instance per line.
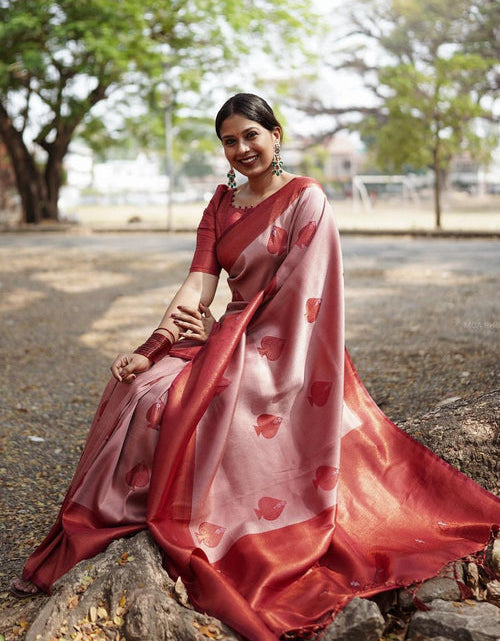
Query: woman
x=249 y=447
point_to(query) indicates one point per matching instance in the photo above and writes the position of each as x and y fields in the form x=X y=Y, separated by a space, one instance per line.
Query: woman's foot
x=23 y=589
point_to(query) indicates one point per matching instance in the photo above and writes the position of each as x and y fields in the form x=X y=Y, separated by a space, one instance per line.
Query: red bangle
x=157 y=346
x=167 y=330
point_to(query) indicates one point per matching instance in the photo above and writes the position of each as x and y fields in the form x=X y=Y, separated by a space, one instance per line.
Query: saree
x=275 y=487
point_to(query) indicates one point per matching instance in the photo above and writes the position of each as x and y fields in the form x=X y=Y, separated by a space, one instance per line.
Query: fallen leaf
x=118 y=621
x=211 y=631
x=93 y=614
x=72 y=602
x=181 y=594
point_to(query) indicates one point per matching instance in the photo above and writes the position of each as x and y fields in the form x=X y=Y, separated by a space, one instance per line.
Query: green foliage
x=59 y=58
x=423 y=109
x=436 y=84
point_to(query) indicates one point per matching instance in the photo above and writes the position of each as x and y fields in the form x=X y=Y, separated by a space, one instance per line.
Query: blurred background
x=107 y=108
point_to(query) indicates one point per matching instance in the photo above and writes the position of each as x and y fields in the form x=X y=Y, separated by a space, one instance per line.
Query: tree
x=60 y=58
x=7 y=180
x=429 y=117
x=432 y=76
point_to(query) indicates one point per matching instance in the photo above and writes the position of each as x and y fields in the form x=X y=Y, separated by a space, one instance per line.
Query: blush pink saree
x=272 y=482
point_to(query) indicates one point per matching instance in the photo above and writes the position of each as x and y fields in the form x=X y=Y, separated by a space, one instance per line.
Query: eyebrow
x=243 y=132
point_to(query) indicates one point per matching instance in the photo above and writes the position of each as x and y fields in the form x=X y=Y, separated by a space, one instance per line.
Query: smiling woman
x=251 y=137
x=248 y=446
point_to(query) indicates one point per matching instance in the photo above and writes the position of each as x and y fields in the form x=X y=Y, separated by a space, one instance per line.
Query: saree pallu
x=274 y=485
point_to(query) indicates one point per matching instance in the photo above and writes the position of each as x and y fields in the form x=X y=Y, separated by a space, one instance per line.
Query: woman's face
x=248 y=146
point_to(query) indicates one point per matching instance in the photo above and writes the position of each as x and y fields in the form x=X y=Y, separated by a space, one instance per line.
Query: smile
x=249 y=160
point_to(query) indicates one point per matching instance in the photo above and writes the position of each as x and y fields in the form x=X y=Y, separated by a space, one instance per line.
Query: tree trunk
x=437 y=183
x=29 y=181
x=53 y=177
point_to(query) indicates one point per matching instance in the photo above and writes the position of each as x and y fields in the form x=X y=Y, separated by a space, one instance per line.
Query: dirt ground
x=420 y=332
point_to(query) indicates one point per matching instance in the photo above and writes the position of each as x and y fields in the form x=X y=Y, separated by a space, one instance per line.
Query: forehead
x=237 y=124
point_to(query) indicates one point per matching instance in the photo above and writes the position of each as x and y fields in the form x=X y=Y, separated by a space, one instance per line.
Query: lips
x=248 y=160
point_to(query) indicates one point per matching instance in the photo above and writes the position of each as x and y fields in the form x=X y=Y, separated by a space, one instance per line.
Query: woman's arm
x=181 y=315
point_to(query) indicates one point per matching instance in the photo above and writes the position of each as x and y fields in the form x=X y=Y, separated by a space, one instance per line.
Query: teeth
x=248 y=160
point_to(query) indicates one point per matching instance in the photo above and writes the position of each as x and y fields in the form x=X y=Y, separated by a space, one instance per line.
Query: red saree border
x=249 y=227
x=362 y=396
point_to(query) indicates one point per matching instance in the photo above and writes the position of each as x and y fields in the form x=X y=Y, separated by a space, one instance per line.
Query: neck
x=262 y=184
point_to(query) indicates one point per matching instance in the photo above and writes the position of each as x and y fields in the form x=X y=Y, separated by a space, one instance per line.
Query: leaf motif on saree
x=326 y=477
x=271 y=347
x=221 y=385
x=209 y=534
x=154 y=414
x=268 y=425
x=269 y=508
x=277 y=240
x=138 y=476
x=312 y=309
x=306 y=234
x=320 y=391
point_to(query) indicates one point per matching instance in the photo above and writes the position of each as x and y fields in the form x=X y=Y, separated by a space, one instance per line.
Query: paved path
x=457 y=254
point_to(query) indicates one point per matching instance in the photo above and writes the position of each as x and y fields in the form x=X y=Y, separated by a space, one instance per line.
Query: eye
x=252 y=134
x=228 y=142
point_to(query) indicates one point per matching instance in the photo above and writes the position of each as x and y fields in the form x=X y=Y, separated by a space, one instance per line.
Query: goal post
x=360 y=192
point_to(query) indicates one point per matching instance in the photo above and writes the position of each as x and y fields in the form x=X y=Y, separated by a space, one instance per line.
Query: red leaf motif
x=154 y=414
x=320 y=391
x=138 y=476
x=271 y=347
x=312 y=309
x=326 y=477
x=269 y=508
x=277 y=240
x=221 y=385
x=267 y=425
x=306 y=234
x=209 y=534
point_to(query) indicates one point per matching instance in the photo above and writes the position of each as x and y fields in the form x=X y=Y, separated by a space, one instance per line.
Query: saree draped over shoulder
x=272 y=482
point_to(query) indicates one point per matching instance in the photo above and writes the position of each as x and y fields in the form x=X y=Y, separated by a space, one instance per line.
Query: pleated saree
x=274 y=485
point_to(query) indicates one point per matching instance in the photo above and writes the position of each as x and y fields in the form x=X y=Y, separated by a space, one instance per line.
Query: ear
x=276 y=134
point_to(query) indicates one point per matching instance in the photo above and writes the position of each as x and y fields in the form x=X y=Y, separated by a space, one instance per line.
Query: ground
x=422 y=320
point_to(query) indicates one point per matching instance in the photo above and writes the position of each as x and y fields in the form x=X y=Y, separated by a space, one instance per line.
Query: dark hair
x=249 y=105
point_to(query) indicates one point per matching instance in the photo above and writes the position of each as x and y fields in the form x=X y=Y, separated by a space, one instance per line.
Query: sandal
x=19 y=593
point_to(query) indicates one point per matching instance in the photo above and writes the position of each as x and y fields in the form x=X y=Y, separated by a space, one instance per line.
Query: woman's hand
x=194 y=323
x=126 y=366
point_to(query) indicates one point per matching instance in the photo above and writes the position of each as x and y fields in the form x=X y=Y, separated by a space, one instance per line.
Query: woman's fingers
x=205 y=311
x=189 y=311
x=125 y=366
x=118 y=364
x=194 y=323
x=189 y=324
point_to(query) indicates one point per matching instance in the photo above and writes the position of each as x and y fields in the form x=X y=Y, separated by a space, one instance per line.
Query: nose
x=242 y=146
